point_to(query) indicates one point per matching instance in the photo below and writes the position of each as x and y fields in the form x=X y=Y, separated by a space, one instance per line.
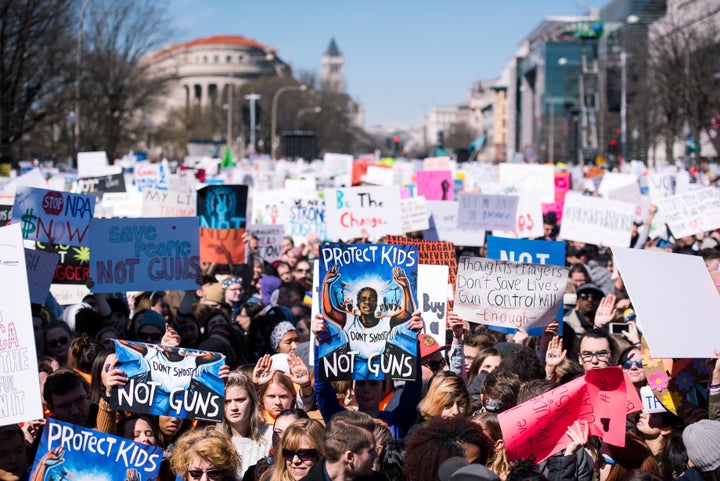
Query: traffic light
x=613 y=147
x=396 y=146
x=441 y=139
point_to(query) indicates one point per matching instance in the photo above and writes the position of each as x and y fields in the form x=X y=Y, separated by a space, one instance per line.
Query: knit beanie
x=215 y=293
x=151 y=318
x=702 y=439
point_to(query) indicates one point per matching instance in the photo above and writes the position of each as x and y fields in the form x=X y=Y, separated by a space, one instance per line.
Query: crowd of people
x=281 y=423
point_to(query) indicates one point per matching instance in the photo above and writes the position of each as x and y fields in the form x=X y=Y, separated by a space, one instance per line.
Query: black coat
x=317 y=473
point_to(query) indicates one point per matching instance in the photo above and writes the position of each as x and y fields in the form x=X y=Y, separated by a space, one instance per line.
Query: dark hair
x=525 y=470
x=289 y=293
x=601 y=334
x=252 y=309
x=534 y=388
x=82 y=353
x=295 y=412
x=640 y=475
x=97 y=389
x=578 y=267
x=391 y=460
x=523 y=362
x=123 y=424
x=502 y=387
x=62 y=382
x=88 y=321
x=674 y=456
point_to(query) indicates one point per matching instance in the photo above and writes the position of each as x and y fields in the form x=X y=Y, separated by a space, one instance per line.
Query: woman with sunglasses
x=243 y=422
x=631 y=362
x=205 y=455
x=57 y=341
x=301 y=448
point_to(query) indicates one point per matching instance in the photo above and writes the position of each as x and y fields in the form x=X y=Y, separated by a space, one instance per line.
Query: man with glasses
x=68 y=398
x=597 y=349
x=582 y=318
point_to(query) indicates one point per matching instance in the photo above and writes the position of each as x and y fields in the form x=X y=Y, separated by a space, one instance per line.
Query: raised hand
x=400 y=277
x=133 y=475
x=606 y=311
x=299 y=372
x=262 y=373
x=555 y=355
x=578 y=434
x=114 y=376
x=332 y=274
x=416 y=323
x=171 y=337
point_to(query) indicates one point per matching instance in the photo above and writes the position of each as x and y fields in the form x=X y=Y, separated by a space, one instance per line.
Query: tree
x=36 y=46
x=119 y=89
x=459 y=136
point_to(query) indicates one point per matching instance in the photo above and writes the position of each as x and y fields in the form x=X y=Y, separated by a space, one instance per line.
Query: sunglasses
x=435 y=365
x=629 y=364
x=214 y=474
x=303 y=454
x=586 y=296
x=152 y=337
x=58 y=342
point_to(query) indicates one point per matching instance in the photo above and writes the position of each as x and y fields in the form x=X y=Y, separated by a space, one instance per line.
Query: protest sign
x=537 y=428
x=339 y=166
x=222 y=210
x=169 y=381
x=433 y=290
x=90 y=164
x=415 y=216
x=68 y=451
x=270 y=207
x=379 y=175
x=435 y=184
x=307 y=215
x=368 y=293
x=436 y=163
x=269 y=241
x=40 y=271
x=98 y=185
x=121 y=204
x=20 y=398
x=666 y=288
x=352 y=210
x=444 y=225
x=650 y=404
x=68 y=294
x=562 y=186
x=52 y=216
x=597 y=221
x=150 y=176
x=487 y=212
x=167 y=203
x=6 y=204
x=528 y=219
x=73 y=265
x=508 y=294
x=136 y=254
x=660 y=186
x=530 y=178
x=689 y=213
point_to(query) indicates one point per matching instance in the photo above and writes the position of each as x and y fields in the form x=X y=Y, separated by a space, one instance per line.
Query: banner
x=167 y=203
x=435 y=184
x=352 y=210
x=483 y=212
x=508 y=294
x=40 y=271
x=367 y=295
x=689 y=213
x=415 y=217
x=137 y=254
x=270 y=239
x=70 y=452
x=307 y=215
x=20 y=398
x=597 y=221
x=223 y=214
x=438 y=253
x=169 y=381
x=53 y=216
x=536 y=429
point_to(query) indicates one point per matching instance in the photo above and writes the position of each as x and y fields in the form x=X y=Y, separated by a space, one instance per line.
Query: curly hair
x=431 y=444
x=209 y=444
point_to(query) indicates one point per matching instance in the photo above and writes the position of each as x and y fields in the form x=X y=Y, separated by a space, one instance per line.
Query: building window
x=217 y=59
x=228 y=59
x=241 y=59
x=205 y=59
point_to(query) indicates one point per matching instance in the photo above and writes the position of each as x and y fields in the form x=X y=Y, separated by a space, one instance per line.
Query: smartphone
x=618 y=327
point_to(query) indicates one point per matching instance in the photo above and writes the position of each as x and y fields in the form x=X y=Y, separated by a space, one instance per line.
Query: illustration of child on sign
x=367 y=297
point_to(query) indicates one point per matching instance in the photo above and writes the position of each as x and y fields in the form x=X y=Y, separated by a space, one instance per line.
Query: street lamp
x=252 y=98
x=302 y=112
x=77 y=80
x=273 y=116
x=632 y=19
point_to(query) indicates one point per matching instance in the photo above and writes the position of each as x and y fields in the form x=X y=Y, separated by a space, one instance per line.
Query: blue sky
x=402 y=57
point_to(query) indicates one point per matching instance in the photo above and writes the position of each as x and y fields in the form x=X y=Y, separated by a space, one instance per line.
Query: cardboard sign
x=91 y=164
x=20 y=398
x=338 y=165
x=352 y=210
x=73 y=263
x=509 y=294
x=67 y=294
x=691 y=212
x=597 y=221
x=666 y=288
x=368 y=293
x=415 y=216
x=52 y=216
x=137 y=254
x=150 y=176
x=528 y=219
x=98 y=185
x=167 y=203
x=444 y=225
x=537 y=428
x=270 y=207
x=270 y=239
x=433 y=299
x=379 y=175
x=68 y=451
x=487 y=212
x=530 y=178
x=307 y=215
x=223 y=214
x=40 y=271
x=169 y=381
x=435 y=184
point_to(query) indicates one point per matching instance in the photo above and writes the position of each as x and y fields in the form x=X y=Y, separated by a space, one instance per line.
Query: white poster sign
x=487 y=212
x=692 y=212
x=121 y=204
x=352 y=210
x=597 y=221
x=531 y=178
x=167 y=203
x=675 y=301
x=92 y=164
x=444 y=225
x=414 y=214
x=20 y=398
x=269 y=240
x=660 y=186
x=432 y=292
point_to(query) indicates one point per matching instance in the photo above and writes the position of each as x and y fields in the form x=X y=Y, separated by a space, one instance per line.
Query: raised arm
x=330 y=311
x=408 y=308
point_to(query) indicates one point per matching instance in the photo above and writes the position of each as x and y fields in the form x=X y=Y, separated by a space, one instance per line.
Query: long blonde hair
x=239 y=379
x=308 y=430
x=444 y=389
